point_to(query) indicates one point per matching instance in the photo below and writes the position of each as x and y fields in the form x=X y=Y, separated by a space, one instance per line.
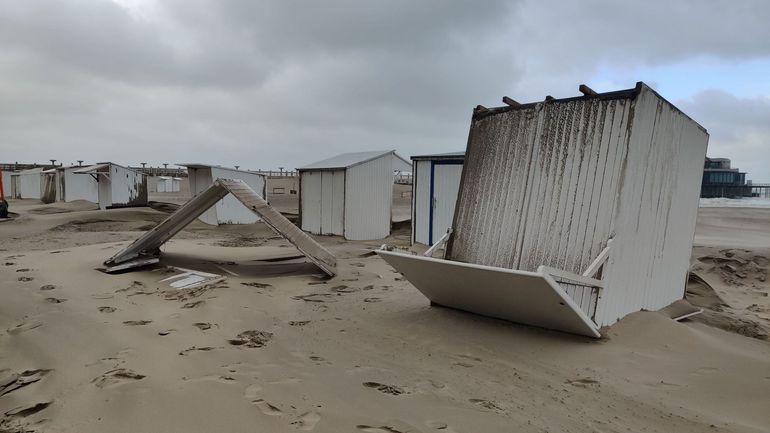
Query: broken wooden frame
x=148 y=246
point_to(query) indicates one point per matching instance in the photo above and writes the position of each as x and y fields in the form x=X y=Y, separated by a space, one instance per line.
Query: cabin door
x=445 y=184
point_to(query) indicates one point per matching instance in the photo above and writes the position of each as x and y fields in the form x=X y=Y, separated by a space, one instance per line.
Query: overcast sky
x=263 y=85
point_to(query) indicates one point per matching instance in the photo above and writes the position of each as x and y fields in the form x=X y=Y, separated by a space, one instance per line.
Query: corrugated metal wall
x=549 y=184
x=421 y=202
x=368 y=199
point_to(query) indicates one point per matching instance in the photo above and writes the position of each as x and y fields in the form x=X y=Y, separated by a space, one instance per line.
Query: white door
x=332 y=202
x=311 y=201
x=446 y=184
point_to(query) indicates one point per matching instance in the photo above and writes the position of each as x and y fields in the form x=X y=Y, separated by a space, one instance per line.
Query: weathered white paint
x=349 y=195
x=531 y=298
x=118 y=186
x=229 y=210
x=550 y=183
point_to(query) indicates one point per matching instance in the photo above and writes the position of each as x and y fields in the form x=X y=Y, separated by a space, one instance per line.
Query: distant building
x=720 y=180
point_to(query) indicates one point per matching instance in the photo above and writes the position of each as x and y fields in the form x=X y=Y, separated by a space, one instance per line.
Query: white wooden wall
x=368 y=199
x=323 y=202
x=80 y=186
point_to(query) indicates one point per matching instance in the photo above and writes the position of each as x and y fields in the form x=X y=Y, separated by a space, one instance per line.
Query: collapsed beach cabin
x=436 y=181
x=229 y=210
x=63 y=184
x=572 y=213
x=349 y=195
x=118 y=186
x=27 y=184
x=146 y=249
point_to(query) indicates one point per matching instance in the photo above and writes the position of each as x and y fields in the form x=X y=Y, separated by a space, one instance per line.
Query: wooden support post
x=481 y=109
x=510 y=102
x=587 y=90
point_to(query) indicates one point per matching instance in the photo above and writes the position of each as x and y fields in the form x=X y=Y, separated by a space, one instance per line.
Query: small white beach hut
x=118 y=186
x=436 y=181
x=229 y=210
x=350 y=194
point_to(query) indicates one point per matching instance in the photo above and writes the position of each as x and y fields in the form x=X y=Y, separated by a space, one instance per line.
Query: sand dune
x=275 y=347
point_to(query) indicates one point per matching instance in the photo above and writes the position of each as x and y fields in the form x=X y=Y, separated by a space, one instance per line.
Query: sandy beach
x=277 y=348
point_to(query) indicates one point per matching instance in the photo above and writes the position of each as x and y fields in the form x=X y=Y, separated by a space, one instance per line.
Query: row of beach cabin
x=348 y=195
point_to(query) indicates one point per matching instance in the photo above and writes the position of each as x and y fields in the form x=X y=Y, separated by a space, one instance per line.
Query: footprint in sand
x=440 y=425
x=384 y=429
x=386 y=389
x=486 y=404
x=55 y=300
x=27 y=410
x=107 y=309
x=307 y=421
x=194 y=304
x=137 y=322
x=116 y=377
x=267 y=408
x=202 y=325
x=251 y=338
x=47 y=287
x=24 y=327
x=17 y=381
x=25 y=279
x=196 y=349
x=583 y=382
x=298 y=322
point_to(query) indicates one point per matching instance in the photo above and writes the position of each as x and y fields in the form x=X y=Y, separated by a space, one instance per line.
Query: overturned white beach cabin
x=27 y=184
x=229 y=210
x=436 y=181
x=118 y=186
x=350 y=194
x=572 y=213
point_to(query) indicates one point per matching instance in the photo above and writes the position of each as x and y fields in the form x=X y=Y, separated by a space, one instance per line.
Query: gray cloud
x=263 y=85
